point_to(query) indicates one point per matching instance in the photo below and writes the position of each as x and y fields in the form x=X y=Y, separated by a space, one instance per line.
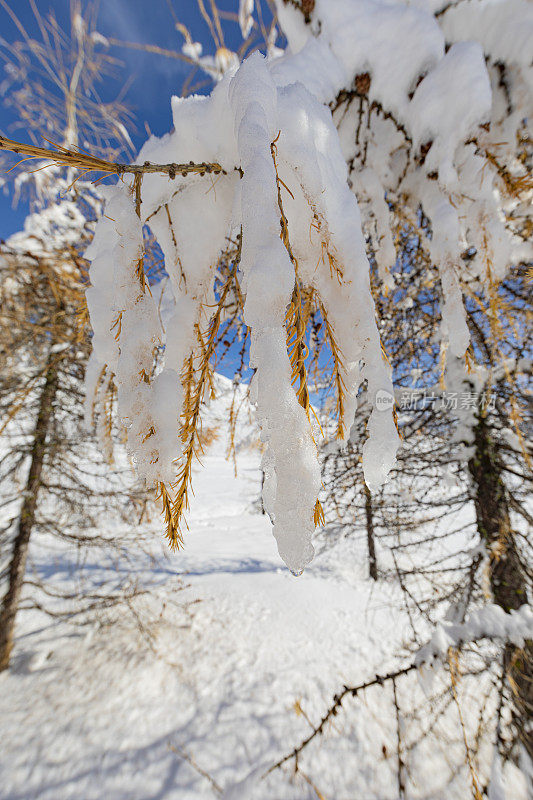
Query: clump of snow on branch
x=126 y=329
x=488 y=622
x=420 y=136
x=236 y=126
x=432 y=127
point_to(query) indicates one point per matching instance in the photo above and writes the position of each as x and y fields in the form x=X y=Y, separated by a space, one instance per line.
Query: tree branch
x=333 y=710
x=64 y=157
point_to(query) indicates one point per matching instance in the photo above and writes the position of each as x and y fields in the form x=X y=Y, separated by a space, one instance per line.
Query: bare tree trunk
x=27 y=513
x=507 y=577
x=372 y=561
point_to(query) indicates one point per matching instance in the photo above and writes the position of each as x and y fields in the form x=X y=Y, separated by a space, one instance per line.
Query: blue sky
x=155 y=78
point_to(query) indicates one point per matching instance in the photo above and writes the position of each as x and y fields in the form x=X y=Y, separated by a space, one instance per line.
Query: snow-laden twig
x=85 y=162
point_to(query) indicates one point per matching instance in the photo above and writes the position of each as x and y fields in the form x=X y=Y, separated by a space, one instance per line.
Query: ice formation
x=362 y=83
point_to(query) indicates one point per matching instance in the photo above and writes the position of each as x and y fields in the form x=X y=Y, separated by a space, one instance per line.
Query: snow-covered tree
x=56 y=480
x=429 y=110
x=44 y=339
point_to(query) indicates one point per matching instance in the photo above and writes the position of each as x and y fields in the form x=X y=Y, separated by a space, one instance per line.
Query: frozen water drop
x=297 y=572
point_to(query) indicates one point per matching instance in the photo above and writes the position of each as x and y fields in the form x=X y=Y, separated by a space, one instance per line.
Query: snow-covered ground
x=214 y=668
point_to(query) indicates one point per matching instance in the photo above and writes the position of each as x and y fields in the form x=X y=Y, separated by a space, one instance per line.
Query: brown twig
x=190 y=760
x=313 y=786
x=333 y=710
x=191 y=422
x=453 y=662
x=64 y=157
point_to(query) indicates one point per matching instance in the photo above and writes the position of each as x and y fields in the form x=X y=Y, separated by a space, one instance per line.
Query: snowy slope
x=230 y=641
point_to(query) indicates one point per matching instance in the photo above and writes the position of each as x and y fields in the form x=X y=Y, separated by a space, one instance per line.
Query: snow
x=228 y=647
x=496 y=788
x=373 y=36
x=230 y=641
x=121 y=310
x=268 y=280
x=504 y=27
x=430 y=119
x=490 y=621
x=98 y=38
x=233 y=652
x=300 y=67
x=269 y=130
x=246 y=19
x=369 y=185
x=445 y=249
x=43 y=226
x=437 y=100
x=449 y=104
x=192 y=49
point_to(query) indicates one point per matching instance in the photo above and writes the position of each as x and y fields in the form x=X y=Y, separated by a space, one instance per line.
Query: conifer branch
x=65 y=157
x=191 y=425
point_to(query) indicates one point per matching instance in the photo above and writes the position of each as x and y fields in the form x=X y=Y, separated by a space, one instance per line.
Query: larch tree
x=44 y=341
x=356 y=135
x=422 y=113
